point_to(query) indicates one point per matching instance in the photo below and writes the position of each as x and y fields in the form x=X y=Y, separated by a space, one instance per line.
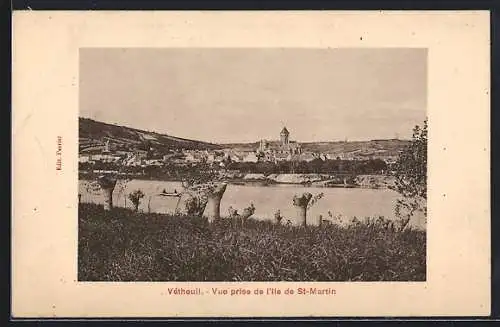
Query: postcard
x=250 y=164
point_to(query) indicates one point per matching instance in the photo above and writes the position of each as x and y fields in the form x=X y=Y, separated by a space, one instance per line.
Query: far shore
x=253 y=182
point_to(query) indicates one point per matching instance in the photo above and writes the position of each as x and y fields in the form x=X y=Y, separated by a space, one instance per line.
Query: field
x=381 y=147
x=122 y=245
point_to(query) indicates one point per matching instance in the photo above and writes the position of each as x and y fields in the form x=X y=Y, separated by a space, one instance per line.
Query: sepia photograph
x=252 y=164
x=234 y=164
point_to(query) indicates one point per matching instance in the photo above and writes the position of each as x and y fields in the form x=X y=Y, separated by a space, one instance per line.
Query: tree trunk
x=300 y=203
x=212 y=209
x=204 y=201
x=302 y=215
x=108 y=198
x=181 y=207
x=190 y=204
x=107 y=185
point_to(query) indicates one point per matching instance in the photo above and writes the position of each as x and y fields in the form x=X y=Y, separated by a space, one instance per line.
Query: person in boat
x=175 y=191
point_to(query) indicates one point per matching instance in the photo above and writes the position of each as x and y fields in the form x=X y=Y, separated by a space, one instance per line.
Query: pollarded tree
x=411 y=176
x=201 y=198
x=106 y=183
x=303 y=203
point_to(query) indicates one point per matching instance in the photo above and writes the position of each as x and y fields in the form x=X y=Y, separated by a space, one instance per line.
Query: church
x=283 y=146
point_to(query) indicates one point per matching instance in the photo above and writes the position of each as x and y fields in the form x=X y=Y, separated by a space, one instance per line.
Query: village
x=274 y=151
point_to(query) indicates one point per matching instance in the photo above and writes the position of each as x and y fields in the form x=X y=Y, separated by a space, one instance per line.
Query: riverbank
x=122 y=245
x=324 y=180
x=314 y=180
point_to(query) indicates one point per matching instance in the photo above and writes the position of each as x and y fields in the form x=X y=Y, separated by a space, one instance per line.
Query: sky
x=244 y=95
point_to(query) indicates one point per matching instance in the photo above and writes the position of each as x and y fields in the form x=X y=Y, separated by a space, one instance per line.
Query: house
x=236 y=158
x=307 y=157
x=168 y=157
x=84 y=158
x=153 y=162
x=278 y=157
x=104 y=158
x=335 y=156
x=123 y=153
x=101 y=171
x=140 y=153
x=390 y=160
x=250 y=157
x=210 y=158
x=133 y=160
x=190 y=157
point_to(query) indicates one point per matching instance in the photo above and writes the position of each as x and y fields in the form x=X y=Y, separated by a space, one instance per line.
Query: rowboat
x=175 y=194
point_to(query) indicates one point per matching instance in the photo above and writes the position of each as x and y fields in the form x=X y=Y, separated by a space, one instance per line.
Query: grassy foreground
x=121 y=245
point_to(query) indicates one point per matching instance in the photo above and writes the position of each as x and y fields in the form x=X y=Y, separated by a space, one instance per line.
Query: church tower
x=284 y=136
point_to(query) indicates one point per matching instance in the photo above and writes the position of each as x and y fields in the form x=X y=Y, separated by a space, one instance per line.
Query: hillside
x=387 y=147
x=94 y=134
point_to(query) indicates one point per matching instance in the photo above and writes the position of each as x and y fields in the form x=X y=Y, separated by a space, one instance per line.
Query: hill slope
x=94 y=134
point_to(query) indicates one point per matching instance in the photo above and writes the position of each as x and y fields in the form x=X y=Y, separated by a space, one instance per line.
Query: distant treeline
x=181 y=171
x=373 y=166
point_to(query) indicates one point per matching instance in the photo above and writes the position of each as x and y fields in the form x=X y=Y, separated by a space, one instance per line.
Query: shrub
x=411 y=176
x=135 y=197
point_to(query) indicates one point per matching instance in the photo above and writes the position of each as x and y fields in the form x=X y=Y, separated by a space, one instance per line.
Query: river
x=347 y=202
